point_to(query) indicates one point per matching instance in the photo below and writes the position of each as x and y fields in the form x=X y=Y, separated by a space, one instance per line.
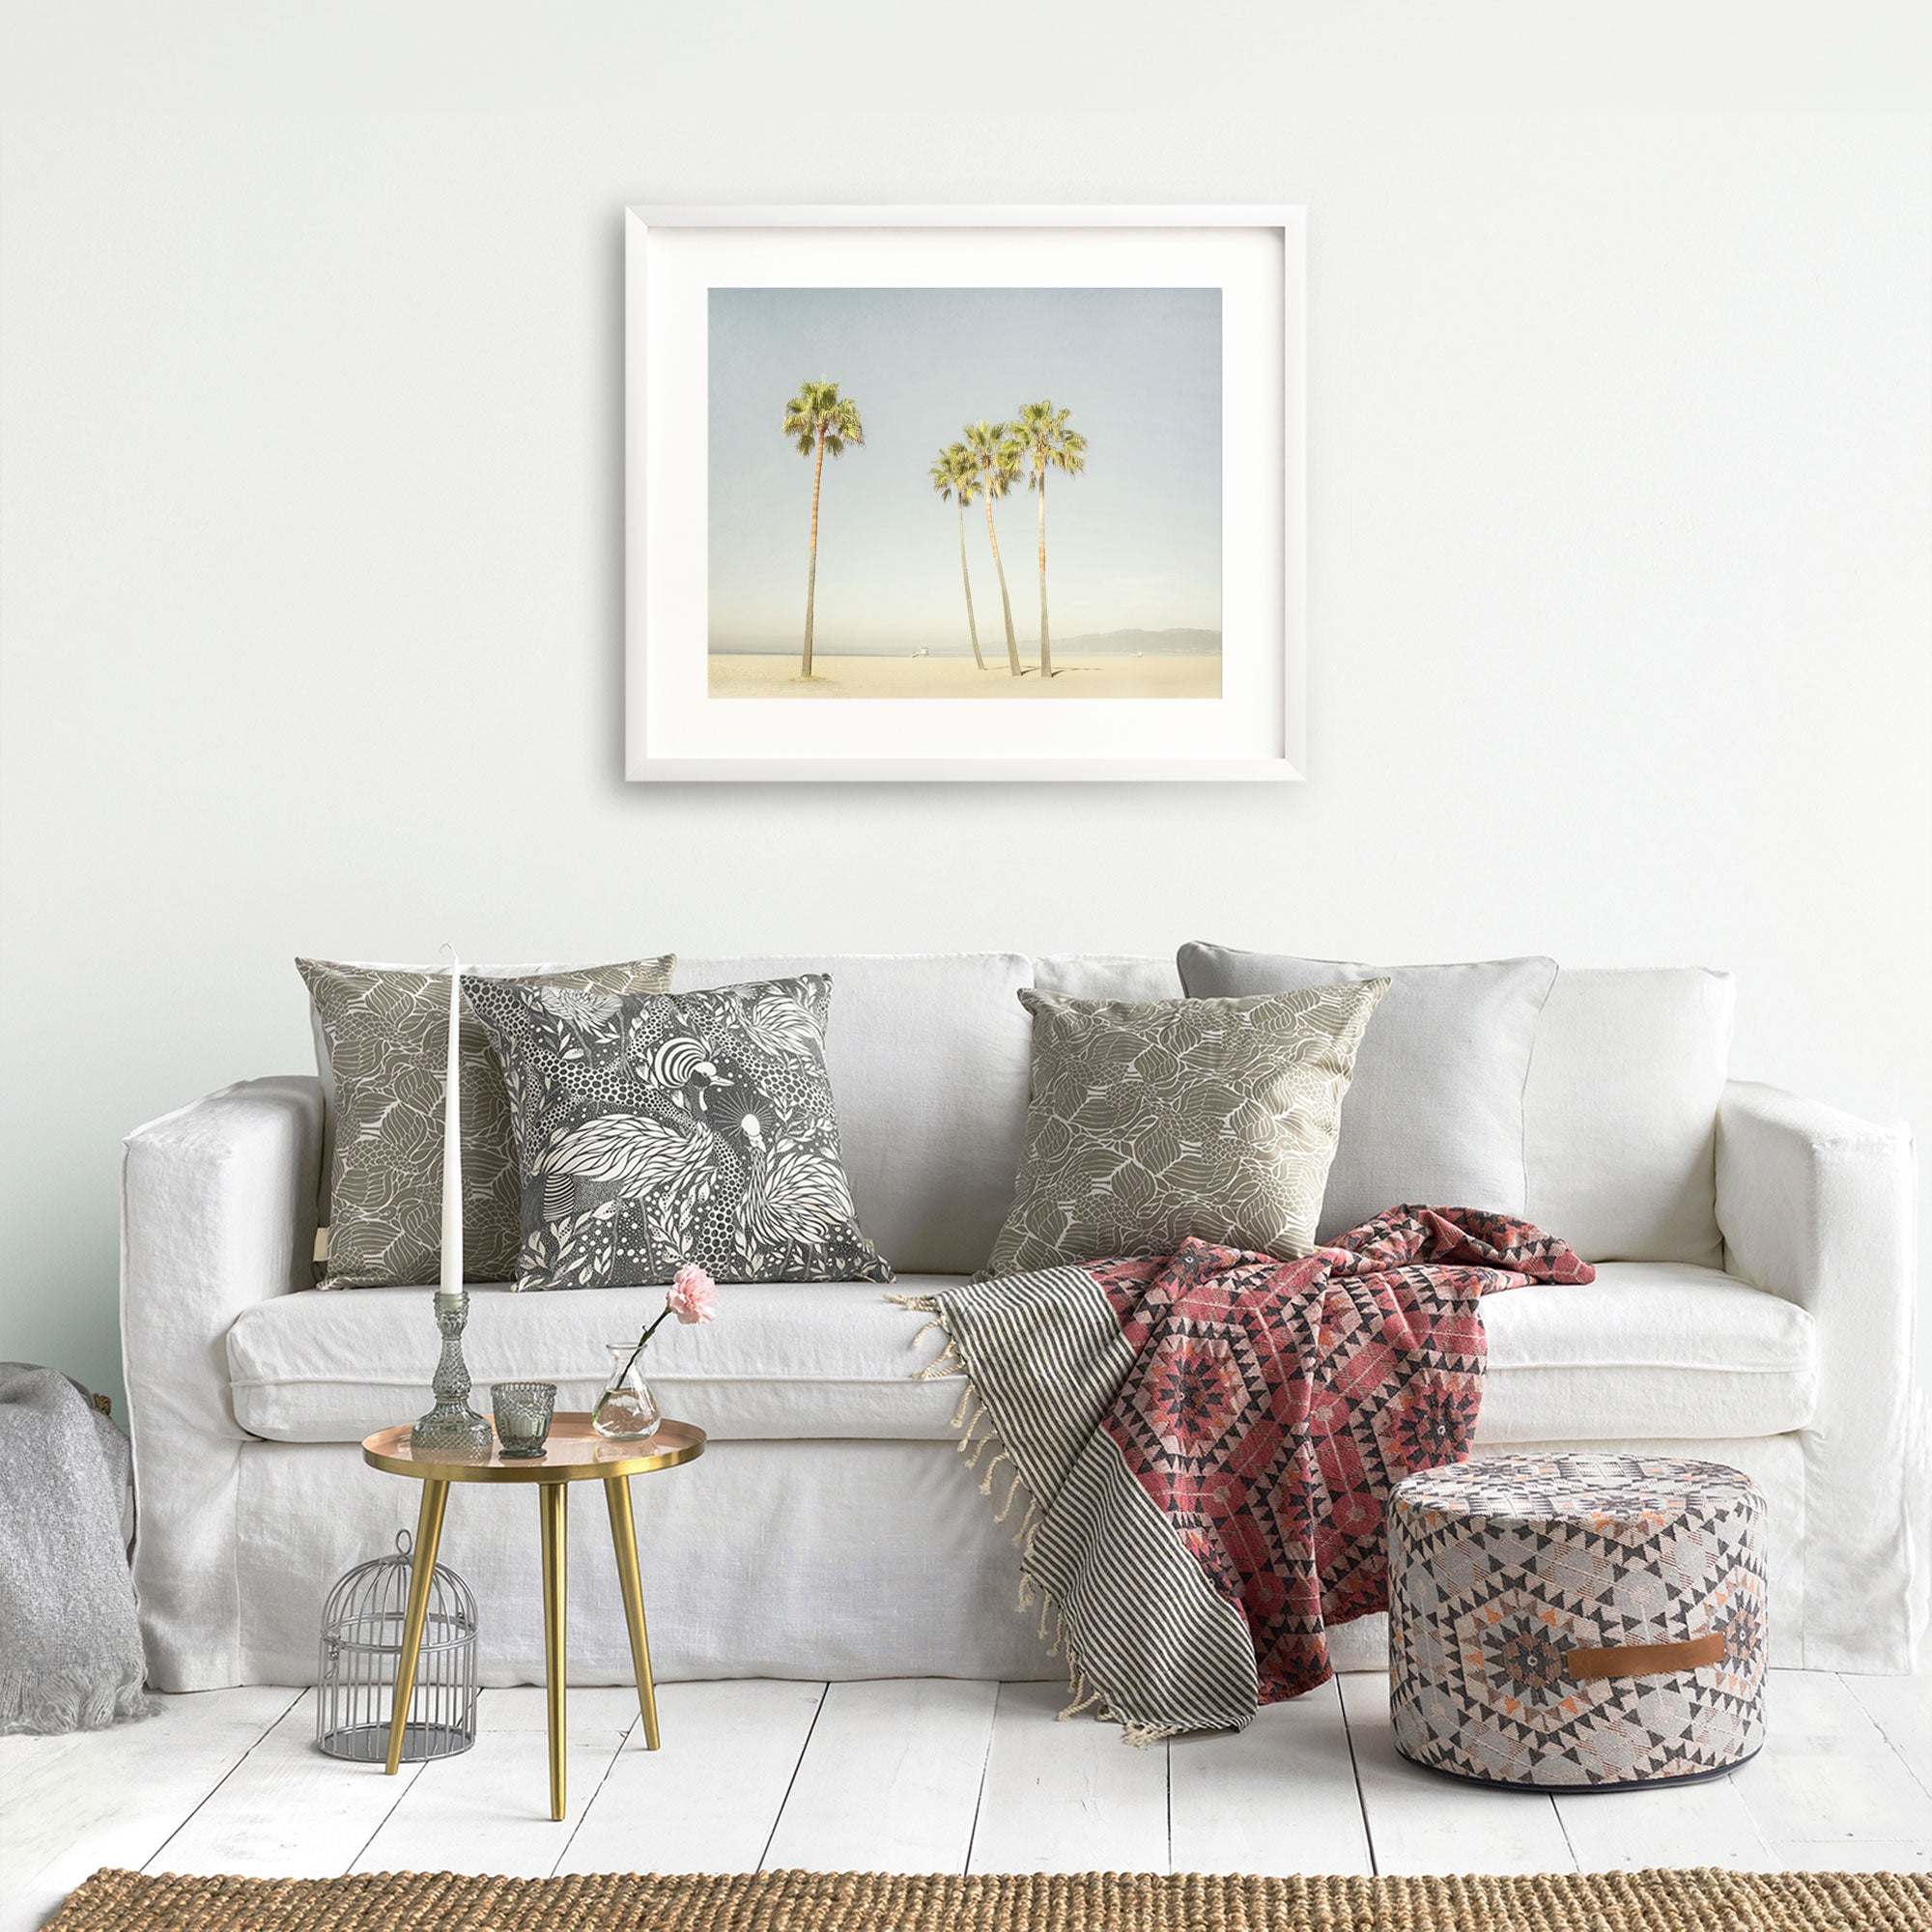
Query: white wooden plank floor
x=927 y=1775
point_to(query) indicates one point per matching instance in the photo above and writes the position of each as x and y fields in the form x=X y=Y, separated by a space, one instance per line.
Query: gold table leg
x=553 y=1500
x=624 y=1538
x=422 y=1569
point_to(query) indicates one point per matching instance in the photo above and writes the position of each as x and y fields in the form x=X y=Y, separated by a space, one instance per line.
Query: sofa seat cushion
x=1650 y=1351
x=781 y=1359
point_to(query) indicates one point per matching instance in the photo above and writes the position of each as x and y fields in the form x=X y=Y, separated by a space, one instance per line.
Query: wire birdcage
x=361 y=1645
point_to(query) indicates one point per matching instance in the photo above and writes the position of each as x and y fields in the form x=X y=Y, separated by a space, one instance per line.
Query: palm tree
x=1047 y=443
x=819 y=419
x=955 y=476
x=996 y=462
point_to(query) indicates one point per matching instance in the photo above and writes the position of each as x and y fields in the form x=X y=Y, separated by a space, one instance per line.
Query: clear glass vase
x=626 y=1411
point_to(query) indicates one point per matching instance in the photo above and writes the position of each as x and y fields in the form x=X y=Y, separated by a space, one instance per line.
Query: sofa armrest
x=217 y=1211
x=1818 y=1206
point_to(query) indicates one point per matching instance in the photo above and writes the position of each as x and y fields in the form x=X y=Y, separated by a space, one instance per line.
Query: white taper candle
x=452 y=1142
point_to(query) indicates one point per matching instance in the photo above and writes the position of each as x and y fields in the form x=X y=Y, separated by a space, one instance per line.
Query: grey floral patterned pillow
x=386 y=1032
x=691 y=1128
x=1148 y=1122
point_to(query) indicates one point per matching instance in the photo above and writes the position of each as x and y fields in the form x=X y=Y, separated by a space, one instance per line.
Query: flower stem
x=650 y=1329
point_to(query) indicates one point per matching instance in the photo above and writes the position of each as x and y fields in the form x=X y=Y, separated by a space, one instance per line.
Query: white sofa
x=1753 y=1304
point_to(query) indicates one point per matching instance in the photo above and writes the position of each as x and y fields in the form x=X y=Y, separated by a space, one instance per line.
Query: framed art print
x=1009 y=493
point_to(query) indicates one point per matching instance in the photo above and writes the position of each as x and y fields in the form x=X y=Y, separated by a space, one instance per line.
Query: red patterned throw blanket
x=1204 y=1444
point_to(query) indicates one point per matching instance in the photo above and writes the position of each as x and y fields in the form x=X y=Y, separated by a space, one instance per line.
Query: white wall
x=309 y=443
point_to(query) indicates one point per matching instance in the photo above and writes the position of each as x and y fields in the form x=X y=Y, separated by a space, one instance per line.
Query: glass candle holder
x=522 y=1411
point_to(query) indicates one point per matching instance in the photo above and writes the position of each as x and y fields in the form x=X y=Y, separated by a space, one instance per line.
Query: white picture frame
x=675 y=256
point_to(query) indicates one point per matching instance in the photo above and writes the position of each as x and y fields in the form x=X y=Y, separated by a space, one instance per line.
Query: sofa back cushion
x=927 y=1056
x=1106 y=976
x=1433 y=1114
x=1621 y=1110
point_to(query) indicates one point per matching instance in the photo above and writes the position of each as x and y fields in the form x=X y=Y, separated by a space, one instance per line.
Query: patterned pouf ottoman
x=1588 y=1622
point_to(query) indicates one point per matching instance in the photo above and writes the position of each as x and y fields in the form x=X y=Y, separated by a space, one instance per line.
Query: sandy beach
x=1075 y=674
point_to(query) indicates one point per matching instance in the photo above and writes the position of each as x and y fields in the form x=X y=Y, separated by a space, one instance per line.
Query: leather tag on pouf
x=1644 y=1659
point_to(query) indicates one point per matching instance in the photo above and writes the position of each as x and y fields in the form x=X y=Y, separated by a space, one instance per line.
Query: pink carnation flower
x=692 y=1296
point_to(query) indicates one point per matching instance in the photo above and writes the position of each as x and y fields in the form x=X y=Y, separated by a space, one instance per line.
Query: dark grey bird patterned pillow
x=657 y=1130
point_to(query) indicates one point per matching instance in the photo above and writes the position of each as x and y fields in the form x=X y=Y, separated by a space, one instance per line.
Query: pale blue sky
x=1134 y=543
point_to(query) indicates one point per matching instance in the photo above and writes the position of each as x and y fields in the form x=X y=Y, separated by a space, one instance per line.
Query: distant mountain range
x=1162 y=643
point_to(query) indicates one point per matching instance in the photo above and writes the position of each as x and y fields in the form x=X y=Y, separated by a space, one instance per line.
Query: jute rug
x=786 y=1901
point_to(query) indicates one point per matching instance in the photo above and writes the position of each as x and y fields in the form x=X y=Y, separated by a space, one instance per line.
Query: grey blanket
x=70 y=1645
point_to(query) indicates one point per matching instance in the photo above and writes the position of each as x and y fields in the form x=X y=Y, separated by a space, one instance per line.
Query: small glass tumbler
x=522 y=1411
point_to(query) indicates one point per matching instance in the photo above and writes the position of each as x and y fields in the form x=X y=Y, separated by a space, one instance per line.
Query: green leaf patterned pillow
x=698 y=1126
x=386 y=1034
x=1148 y=1122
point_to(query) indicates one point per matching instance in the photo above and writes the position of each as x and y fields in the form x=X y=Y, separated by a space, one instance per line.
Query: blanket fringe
x=942 y=1366
x=979 y=1431
x=71 y=1702
x=1004 y=1510
x=947 y=1363
x=1083 y=1696
x=1023 y=1535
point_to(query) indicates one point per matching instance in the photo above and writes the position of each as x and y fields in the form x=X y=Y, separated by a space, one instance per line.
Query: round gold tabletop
x=574 y=1453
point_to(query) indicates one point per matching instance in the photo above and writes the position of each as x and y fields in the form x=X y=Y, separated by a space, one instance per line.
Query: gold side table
x=574 y=1454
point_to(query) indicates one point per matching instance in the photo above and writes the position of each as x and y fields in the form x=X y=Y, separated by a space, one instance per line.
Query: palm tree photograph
x=1046 y=443
x=955 y=475
x=834 y=579
x=995 y=454
x=818 y=420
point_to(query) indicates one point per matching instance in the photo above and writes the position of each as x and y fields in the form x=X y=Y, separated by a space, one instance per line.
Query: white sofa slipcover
x=831 y=1530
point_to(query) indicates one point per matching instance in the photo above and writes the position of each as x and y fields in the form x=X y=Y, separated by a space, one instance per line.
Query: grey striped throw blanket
x=1204 y=1444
